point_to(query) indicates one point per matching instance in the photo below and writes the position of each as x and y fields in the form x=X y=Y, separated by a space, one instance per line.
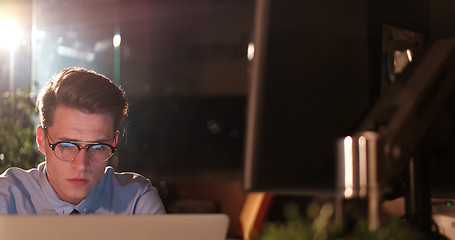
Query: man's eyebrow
x=64 y=139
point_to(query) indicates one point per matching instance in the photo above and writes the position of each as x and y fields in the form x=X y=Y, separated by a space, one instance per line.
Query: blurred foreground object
x=320 y=224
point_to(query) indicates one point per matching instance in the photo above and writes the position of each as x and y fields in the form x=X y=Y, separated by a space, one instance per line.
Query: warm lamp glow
x=363 y=167
x=250 y=53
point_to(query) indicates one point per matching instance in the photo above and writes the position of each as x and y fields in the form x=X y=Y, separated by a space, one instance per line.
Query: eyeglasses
x=67 y=151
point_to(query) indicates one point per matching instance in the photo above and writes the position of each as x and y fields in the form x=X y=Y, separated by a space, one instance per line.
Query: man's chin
x=75 y=199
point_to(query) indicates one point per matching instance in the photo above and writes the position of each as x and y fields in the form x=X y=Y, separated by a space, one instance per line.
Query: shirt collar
x=60 y=206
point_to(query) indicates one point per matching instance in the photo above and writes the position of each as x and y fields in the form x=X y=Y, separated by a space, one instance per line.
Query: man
x=80 y=112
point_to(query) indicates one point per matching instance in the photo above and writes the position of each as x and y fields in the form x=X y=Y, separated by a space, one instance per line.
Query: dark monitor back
x=308 y=86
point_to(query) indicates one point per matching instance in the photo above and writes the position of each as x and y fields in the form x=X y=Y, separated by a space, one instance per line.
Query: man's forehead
x=79 y=125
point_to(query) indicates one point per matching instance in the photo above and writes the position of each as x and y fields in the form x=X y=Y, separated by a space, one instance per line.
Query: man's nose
x=81 y=161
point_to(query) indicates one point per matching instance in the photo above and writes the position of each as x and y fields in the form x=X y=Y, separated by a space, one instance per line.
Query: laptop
x=115 y=227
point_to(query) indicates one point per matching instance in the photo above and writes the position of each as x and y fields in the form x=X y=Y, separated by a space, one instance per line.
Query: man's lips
x=77 y=181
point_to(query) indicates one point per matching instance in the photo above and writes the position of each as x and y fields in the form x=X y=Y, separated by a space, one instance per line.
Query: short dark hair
x=84 y=90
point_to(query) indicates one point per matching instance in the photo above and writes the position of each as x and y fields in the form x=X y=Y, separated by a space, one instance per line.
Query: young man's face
x=74 y=180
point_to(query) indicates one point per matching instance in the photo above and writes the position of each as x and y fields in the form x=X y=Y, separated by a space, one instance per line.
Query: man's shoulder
x=17 y=182
x=130 y=192
x=126 y=178
x=15 y=174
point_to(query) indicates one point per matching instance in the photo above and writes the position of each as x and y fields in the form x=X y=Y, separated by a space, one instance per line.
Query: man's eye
x=67 y=145
x=97 y=147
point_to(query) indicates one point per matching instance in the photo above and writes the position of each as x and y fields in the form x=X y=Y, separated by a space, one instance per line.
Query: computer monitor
x=308 y=86
x=115 y=227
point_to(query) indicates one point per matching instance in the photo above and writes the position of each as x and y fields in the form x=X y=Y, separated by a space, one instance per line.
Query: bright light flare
x=117 y=40
x=348 y=168
x=409 y=53
x=401 y=59
x=250 y=51
x=10 y=34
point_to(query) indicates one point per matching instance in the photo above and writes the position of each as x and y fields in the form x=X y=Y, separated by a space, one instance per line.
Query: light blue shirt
x=29 y=192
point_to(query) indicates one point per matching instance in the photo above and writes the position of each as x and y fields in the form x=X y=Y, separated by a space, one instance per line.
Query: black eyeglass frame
x=79 y=147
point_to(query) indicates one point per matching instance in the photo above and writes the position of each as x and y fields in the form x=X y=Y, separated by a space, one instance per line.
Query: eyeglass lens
x=68 y=151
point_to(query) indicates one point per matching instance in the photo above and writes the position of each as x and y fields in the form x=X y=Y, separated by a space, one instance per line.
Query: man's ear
x=114 y=144
x=41 y=139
